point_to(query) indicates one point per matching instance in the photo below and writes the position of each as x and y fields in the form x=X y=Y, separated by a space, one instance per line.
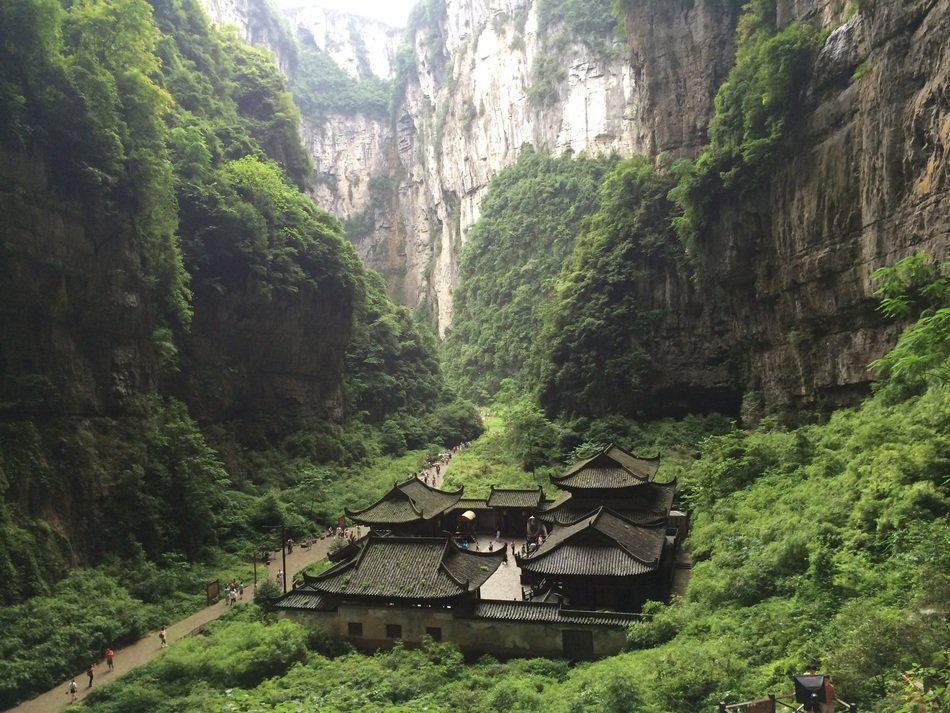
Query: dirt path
x=148 y=648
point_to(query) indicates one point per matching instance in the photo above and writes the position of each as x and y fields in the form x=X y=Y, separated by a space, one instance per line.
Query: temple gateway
x=587 y=562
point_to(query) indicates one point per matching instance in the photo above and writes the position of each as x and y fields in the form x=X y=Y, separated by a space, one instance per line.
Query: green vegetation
x=321 y=88
x=808 y=543
x=181 y=142
x=552 y=284
x=82 y=87
x=561 y=23
x=590 y=21
x=596 y=334
x=916 y=286
x=393 y=374
x=268 y=21
x=512 y=255
x=754 y=110
x=820 y=542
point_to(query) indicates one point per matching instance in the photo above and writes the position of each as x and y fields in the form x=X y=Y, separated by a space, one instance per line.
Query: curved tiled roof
x=525 y=499
x=549 y=612
x=605 y=544
x=407 y=502
x=613 y=468
x=408 y=568
x=304 y=598
x=471 y=504
x=649 y=506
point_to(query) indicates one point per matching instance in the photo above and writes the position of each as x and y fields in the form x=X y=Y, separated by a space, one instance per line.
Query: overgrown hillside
x=192 y=356
x=828 y=542
x=181 y=328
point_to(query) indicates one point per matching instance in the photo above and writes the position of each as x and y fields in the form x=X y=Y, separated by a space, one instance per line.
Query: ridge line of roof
x=431 y=488
x=445 y=567
x=590 y=521
x=356 y=513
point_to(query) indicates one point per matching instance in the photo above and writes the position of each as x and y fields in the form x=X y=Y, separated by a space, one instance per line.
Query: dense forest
x=192 y=355
x=191 y=349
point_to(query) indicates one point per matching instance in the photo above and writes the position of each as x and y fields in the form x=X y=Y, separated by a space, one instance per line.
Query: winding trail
x=149 y=647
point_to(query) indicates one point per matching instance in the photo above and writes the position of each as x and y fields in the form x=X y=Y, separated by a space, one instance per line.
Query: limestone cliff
x=474 y=101
x=784 y=315
x=463 y=112
x=865 y=185
x=77 y=315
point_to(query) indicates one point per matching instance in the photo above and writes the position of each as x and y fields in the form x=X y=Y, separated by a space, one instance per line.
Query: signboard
x=214 y=591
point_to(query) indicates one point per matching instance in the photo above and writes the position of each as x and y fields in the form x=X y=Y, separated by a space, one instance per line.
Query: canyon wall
x=784 y=314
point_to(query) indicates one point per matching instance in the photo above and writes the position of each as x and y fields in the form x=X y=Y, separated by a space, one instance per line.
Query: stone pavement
x=149 y=647
x=504 y=584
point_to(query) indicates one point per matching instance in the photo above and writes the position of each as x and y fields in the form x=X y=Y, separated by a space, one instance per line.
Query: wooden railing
x=771 y=703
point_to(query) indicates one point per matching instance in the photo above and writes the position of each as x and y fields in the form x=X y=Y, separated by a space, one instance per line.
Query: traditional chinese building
x=511 y=508
x=614 y=478
x=409 y=588
x=410 y=508
x=603 y=561
x=612 y=544
x=430 y=571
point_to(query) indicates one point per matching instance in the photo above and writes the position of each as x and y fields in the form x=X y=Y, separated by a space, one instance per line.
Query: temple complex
x=588 y=561
x=409 y=508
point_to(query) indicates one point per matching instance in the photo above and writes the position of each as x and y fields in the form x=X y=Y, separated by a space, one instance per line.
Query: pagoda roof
x=647 y=506
x=527 y=499
x=408 y=568
x=611 y=469
x=551 y=612
x=603 y=545
x=471 y=504
x=407 y=502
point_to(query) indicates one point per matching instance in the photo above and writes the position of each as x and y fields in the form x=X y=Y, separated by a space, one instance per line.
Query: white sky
x=392 y=12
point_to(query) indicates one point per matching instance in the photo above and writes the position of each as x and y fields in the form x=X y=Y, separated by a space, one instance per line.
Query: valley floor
x=149 y=647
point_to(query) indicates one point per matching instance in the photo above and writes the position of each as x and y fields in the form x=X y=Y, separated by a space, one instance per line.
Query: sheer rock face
x=680 y=52
x=784 y=314
x=864 y=187
x=469 y=113
x=462 y=117
x=76 y=317
x=267 y=361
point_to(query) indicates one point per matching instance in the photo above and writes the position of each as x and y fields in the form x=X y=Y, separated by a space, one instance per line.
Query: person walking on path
x=91 y=672
x=163 y=637
x=72 y=689
x=109 y=654
x=144 y=650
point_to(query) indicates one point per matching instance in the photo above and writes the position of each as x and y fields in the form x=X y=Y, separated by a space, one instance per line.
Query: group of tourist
x=431 y=474
x=342 y=533
x=232 y=591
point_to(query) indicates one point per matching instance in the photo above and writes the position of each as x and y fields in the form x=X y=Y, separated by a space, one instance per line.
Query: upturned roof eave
x=591 y=522
x=580 y=465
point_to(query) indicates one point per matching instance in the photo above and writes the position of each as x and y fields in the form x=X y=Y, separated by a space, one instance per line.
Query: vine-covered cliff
x=173 y=300
x=841 y=168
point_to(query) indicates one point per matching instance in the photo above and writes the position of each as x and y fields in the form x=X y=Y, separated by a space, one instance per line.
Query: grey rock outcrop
x=785 y=313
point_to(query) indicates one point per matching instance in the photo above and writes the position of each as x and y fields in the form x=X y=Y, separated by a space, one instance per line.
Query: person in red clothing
x=109 y=654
